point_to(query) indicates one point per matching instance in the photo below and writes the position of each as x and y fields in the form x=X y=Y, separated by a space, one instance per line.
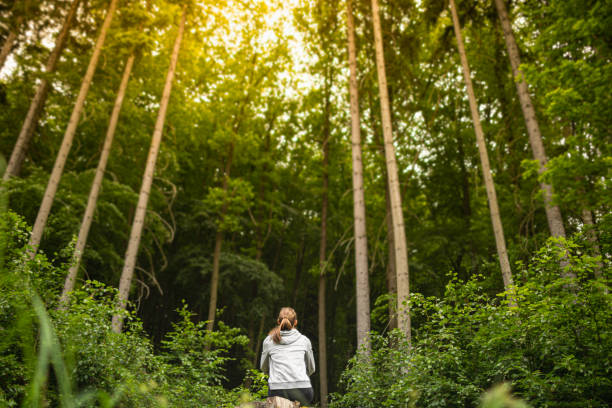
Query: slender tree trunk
x=38 y=101
x=97 y=183
x=214 y=280
x=399 y=234
x=498 y=230
x=391 y=276
x=147 y=179
x=591 y=234
x=553 y=213
x=323 y=248
x=361 y=241
x=62 y=156
x=258 y=341
x=9 y=41
x=299 y=265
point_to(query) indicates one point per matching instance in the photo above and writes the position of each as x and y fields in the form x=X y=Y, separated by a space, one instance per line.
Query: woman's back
x=288 y=359
x=290 y=362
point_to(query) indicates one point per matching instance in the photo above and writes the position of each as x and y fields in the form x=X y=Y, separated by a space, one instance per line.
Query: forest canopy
x=426 y=182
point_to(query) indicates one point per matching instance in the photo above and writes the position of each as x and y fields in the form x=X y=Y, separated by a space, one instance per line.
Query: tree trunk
x=391 y=276
x=258 y=341
x=399 y=234
x=97 y=182
x=299 y=265
x=553 y=213
x=498 y=230
x=361 y=241
x=214 y=280
x=147 y=179
x=38 y=101
x=323 y=246
x=9 y=41
x=591 y=234
x=62 y=156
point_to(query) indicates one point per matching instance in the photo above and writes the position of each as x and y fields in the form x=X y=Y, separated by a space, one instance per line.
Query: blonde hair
x=287 y=319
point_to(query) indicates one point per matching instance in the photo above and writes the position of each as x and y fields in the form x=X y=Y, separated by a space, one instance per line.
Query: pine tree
x=147 y=180
x=399 y=234
x=498 y=229
x=62 y=156
x=38 y=101
x=553 y=213
x=97 y=182
x=359 y=215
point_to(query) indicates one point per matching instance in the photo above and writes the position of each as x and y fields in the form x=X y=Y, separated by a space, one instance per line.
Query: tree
x=214 y=280
x=359 y=215
x=498 y=230
x=97 y=182
x=399 y=234
x=147 y=179
x=38 y=101
x=9 y=40
x=62 y=156
x=553 y=213
x=323 y=249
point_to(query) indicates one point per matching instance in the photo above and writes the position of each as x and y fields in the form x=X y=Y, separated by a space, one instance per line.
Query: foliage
x=91 y=362
x=554 y=348
x=258 y=84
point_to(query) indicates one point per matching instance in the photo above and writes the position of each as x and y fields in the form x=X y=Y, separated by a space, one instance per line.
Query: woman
x=288 y=360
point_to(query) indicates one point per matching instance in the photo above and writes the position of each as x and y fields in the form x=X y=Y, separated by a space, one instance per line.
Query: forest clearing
x=421 y=187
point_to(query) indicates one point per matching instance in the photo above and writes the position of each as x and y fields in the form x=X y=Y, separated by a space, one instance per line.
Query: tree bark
x=258 y=340
x=591 y=234
x=391 y=276
x=214 y=280
x=147 y=179
x=9 y=41
x=553 y=213
x=97 y=183
x=498 y=230
x=323 y=246
x=359 y=212
x=38 y=101
x=62 y=156
x=399 y=234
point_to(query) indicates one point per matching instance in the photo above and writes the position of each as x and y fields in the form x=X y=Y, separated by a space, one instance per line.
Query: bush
x=554 y=349
x=72 y=357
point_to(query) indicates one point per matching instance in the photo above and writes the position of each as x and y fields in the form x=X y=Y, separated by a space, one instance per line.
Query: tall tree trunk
x=299 y=266
x=38 y=101
x=591 y=234
x=498 y=230
x=399 y=234
x=553 y=213
x=323 y=246
x=9 y=41
x=147 y=179
x=359 y=214
x=258 y=342
x=62 y=156
x=214 y=280
x=97 y=182
x=391 y=276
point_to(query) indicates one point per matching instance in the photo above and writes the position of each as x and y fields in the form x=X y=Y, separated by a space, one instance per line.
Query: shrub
x=72 y=357
x=554 y=349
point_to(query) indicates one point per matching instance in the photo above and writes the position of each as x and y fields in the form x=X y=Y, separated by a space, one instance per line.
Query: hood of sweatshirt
x=289 y=336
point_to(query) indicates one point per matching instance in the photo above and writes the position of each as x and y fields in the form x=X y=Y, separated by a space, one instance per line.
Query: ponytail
x=287 y=318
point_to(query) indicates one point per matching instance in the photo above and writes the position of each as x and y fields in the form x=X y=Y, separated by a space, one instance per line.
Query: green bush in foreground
x=554 y=349
x=71 y=357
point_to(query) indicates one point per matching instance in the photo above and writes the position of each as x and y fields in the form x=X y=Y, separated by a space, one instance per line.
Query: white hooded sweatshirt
x=289 y=363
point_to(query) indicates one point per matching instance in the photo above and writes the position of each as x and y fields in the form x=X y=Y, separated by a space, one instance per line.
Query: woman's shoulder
x=305 y=339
